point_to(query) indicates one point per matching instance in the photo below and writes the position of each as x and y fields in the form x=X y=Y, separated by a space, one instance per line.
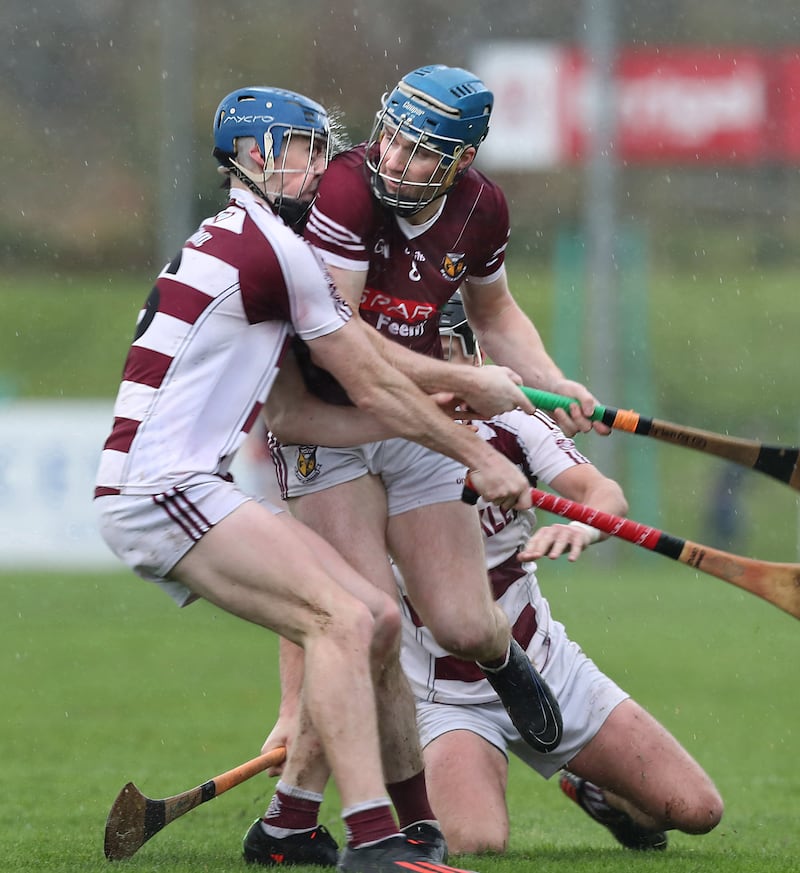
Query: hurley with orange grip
x=779 y=462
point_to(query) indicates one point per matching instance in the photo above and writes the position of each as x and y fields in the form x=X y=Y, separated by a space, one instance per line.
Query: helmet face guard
x=402 y=193
x=434 y=113
x=293 y=209
x=275 y=118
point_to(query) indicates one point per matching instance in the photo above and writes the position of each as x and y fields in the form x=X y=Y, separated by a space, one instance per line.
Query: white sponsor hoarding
x=49 y=452
x=526 y=127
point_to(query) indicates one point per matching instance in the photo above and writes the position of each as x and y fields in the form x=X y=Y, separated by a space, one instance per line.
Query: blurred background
x=649 y=152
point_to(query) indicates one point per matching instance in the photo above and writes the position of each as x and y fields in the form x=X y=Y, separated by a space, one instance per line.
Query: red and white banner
x=671 y=105
x=785 y=106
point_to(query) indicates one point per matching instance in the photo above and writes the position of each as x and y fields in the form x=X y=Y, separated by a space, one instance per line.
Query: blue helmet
x=443 y=110
x=446 y=104
x=272 y=116
x=262 y=113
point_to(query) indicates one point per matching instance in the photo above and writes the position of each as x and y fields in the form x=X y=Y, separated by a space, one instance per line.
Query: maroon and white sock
x=292 y=810
x=369 y=822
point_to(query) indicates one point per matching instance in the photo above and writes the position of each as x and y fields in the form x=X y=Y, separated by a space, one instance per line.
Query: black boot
x=530 y=703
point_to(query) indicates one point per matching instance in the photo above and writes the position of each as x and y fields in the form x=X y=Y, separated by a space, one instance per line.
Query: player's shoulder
x=484 y=202
x=352 y=157
x=246 y=215
x=476 y=186
x=344 y=211
x=348 y=168
x=230 y=235
x=248 y=234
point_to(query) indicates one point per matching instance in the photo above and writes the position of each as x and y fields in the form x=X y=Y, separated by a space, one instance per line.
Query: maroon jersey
x=412 y=270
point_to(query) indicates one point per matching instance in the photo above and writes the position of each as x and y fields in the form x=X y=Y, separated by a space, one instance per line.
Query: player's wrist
x=560 y=384
x=591 y=534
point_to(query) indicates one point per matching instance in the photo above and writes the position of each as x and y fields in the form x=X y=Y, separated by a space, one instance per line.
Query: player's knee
x=699 y=816
x=471 y=640
x=476 y=838
x=387 y=631
x=353 y=626
x=709 y=808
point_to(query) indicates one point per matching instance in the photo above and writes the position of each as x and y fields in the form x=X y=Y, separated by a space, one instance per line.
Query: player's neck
x=427 y=213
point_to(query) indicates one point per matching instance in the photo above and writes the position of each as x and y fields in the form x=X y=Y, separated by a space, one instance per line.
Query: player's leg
x=439 y=551
x=335 y=493
x=644 y=771
x=461 y=767
x=289 y=832
x=273 y=571
x=352 y=517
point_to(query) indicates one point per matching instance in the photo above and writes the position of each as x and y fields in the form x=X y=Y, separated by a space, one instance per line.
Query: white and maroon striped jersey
x=412 y=270
x=537 y=445
x=208 y=345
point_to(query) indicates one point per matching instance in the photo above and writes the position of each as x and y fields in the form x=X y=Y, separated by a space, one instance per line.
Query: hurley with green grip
x=551 y=402
x=779 y=462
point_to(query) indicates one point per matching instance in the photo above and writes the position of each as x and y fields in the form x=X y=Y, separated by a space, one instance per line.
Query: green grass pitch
x=105 y=681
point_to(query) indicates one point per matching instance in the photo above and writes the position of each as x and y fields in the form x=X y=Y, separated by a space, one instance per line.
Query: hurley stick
x=778 y=584
x=779 y=462
x=134 y=818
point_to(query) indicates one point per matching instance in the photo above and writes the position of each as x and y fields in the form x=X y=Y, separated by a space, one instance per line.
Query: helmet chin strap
x=292 y=211
x=255 y=181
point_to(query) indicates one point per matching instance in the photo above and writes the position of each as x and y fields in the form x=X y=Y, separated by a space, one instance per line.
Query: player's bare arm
x=487 y=392
x=585 y=484
x=509 y=337
x=295 y=415
x=374 y=385
x=291 y=673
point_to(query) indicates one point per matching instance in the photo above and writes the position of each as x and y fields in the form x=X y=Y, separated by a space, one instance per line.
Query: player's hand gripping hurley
x=779 y=462
x=134 y=818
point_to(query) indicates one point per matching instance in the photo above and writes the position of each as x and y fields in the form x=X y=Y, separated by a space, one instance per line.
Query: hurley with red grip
x=778 y=584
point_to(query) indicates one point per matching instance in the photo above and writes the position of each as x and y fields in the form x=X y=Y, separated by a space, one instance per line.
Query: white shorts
x=150 y=533
x=412 y=475
x=585 y=694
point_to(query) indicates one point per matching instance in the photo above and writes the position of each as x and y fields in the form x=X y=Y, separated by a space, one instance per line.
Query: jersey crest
x=453 y=265
x=306 y=468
